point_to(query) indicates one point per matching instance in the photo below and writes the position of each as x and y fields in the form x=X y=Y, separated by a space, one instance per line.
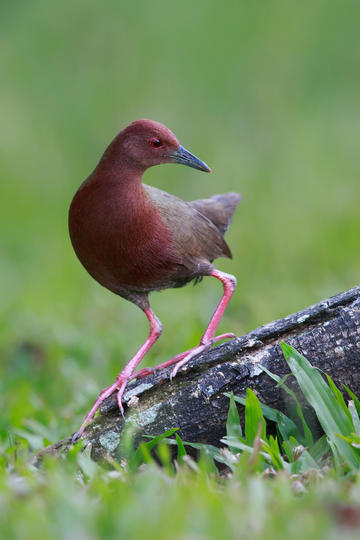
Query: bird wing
x=195 y=236
x=219 y=209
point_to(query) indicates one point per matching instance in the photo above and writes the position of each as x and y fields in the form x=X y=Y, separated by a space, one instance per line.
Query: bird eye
x=156 y=143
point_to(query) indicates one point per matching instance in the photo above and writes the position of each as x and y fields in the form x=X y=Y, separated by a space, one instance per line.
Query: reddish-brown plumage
x=121 y=240
x=134 y=239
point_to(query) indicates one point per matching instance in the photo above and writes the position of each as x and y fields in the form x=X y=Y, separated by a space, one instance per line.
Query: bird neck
x=118 y=171
x=113 y=183
x=115 y=179
x=117 y=164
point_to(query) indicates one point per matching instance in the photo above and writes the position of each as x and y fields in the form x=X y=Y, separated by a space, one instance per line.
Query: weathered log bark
x=328 y=334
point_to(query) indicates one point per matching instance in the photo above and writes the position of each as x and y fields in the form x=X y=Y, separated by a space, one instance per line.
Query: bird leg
x=208 y=338
x=126 y=374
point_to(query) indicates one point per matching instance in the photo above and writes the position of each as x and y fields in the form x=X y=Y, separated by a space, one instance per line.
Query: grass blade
x=354 y=398
x=309 y=441
x=253 y=417
x=143 y=454
x=330 y=414
x=285 y=425
x=338 y=395
x=354 y=416
x=233 y=426
x=181 y=448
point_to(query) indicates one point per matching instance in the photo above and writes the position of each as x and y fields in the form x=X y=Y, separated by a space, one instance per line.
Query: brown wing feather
x=218 y=208
x=195 y=236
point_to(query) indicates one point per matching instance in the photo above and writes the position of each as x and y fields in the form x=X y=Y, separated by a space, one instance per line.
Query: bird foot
x=122 y=379
x=182 y=358
x=198 y=350
x=145 y=372
x=193 y=352
x=119 y=385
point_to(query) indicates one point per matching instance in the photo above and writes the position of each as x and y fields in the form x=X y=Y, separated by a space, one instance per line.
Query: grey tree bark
x=328 y=334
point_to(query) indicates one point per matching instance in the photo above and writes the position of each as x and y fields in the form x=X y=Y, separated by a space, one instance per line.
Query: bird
x=134 y=239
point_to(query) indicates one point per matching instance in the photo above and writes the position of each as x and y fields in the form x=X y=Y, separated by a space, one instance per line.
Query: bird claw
x=119 y=386
x=198 y=350
x=75 y=437
x=177 y=367
x=144 y=373
x=119 y=400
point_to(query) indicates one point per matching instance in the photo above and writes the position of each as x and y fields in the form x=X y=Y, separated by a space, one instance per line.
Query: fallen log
x=328 y=334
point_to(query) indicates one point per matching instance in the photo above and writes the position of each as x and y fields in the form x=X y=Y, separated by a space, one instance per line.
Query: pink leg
x=208 y=339
x=126 y=374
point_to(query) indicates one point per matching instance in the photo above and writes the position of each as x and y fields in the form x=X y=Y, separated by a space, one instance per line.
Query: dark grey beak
x=183 y=156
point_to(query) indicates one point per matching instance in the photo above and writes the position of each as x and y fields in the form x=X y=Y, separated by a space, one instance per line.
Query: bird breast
x=121 y=239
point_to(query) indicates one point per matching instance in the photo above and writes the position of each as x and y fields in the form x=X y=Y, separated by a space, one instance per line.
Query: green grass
x=256 y=484
x=267 y=94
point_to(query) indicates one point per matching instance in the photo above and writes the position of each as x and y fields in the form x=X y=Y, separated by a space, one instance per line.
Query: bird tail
x=219 y=209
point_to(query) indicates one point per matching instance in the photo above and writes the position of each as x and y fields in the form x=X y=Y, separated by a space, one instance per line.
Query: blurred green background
x=267 y=93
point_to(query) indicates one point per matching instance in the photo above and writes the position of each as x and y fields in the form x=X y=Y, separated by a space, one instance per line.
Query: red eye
x=156 y=143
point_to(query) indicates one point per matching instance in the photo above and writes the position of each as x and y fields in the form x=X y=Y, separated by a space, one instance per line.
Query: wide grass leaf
x=309 y=441
x=338 y=395
x=330 y=413
x=320 y=448
x=253 y=417
x=233 y=426
x=354 y=416
x=143 y=452
x=285 y=425
x=354 y=398
x=181 y=448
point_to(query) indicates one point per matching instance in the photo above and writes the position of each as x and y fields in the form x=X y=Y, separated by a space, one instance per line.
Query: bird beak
x=183 y=156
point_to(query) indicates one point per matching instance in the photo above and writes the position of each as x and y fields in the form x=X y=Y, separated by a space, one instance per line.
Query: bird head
x=147 y=143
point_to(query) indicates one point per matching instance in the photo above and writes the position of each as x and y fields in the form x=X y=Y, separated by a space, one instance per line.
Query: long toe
x=144 y=372
x=184 y=358
x=75 y=437
x=120 y=394
x=147 y=371
x=228 y=335
x=195 y=351
x=119 y=384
